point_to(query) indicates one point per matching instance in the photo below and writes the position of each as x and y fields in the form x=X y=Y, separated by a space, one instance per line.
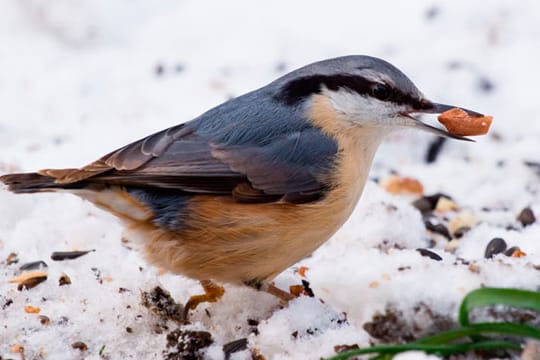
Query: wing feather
x=255 y=156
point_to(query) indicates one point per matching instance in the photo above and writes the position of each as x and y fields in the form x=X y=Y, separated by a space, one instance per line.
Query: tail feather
x=33 y=182
x=66 y=176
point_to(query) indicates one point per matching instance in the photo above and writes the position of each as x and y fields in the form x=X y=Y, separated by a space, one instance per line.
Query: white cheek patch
x=364 y=110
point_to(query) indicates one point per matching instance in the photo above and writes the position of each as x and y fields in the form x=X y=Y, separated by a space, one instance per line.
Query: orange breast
x=232 y=242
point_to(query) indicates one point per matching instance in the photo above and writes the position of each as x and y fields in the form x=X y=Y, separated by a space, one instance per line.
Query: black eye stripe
x=296 y=90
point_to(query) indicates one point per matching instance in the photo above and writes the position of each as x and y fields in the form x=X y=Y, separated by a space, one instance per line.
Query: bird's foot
x=283 y=296
x=270 y=288
x=212 y=293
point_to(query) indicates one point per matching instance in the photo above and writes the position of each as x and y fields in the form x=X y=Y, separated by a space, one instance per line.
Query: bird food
x=29 y=280
x=68 y=255
x=31 y=309
x=403 y=185
x=458 y=122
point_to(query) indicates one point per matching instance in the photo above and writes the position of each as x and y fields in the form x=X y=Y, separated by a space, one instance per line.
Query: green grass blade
x=442 y=343
x=441 y=349
x=495 y=296
x=503 y=328
x=383 y=357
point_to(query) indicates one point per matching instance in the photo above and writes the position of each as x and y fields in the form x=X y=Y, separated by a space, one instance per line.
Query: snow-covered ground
x=79 y=78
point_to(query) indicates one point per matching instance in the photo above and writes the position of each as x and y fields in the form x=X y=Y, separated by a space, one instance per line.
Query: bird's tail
x=24 y=183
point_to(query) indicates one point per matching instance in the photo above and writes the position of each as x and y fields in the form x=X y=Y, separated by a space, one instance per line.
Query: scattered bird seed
x=26 y=276
x=18 y=349
x=434 y=149
x=463 y=219
x=7 y=304
x=256 y=354
x=519 y=253
x=64 y=280
x=428 y=203
x=458 y=234
x=44 y=320
x=452 y=246
x=68 y=255
x=97 y=272
x=495 y=246
x=423 y=205
x=512 y=250
x=430 y=254
x=29 y=280
x=40 y=264
x=438 y=229
x=302 y=271
x=79 y=345
x=445 y=205
x=307 y=288
x=235 y=346
x=526 y=217
x=31 y=309
x=534 y=165
x=395 y=184
x=511 y=228
x=473 y=268
x=31 y=283
x=12 y=258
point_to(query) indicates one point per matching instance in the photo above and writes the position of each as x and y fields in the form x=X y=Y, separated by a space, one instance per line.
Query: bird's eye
x=380 y=91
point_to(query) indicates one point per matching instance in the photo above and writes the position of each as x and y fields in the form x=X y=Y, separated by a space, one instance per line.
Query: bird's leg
x=284 y=296
x=270 y=288
x=212 y=293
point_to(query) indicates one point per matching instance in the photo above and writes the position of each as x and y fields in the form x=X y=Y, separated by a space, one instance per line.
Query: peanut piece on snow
x=31 y=309
x=403 y=185
x=445 y=205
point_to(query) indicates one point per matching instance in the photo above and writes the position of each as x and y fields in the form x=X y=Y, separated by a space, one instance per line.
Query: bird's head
x=367 y=91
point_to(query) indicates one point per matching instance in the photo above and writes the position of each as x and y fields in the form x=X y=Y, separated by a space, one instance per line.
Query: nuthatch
x=257 y=183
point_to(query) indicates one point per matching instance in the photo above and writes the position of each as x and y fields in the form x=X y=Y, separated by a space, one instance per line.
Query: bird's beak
x=435 y=108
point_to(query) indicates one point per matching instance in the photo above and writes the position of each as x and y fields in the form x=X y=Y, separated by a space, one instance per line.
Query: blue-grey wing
x=253 y=149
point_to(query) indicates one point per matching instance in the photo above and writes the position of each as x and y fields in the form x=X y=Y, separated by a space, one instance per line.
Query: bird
x=252 y=186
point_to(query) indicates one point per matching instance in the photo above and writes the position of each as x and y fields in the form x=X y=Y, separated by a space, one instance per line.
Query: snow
x=79 y=78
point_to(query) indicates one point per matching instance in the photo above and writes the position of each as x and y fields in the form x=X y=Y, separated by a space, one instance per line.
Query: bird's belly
x=234 y=243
